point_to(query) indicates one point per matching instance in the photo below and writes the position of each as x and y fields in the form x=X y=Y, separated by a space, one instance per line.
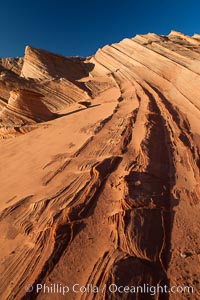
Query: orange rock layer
x=106 y=193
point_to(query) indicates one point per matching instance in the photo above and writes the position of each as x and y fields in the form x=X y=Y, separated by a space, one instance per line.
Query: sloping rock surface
x=106 y=193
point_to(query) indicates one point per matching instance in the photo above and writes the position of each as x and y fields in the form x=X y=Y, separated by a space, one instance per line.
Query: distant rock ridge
x=67 y=80
x=12 y=64
x=196 y=36
x=41 y=64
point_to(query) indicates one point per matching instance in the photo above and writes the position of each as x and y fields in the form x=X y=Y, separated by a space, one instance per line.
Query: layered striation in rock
x=29 y=103
x=105 y=190
x=41 y=64
x=12 y=64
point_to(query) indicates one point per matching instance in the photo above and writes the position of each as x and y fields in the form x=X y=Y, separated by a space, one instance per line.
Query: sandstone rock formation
x=29 y=104
x=107 y=194
x=41 y=64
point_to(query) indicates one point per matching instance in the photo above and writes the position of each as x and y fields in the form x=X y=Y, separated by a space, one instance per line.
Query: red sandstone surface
x=99 y=169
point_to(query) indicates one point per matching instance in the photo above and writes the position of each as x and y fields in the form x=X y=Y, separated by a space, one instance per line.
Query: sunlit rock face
x=41 y=64
x=100 y=170
x=29 y=104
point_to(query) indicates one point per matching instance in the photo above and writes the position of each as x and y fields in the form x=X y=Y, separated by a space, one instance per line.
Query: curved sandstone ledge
x=25 y=107
x=30 y=104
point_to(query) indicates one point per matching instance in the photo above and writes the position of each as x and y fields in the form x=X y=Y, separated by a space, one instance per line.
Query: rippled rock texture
x=108 y=192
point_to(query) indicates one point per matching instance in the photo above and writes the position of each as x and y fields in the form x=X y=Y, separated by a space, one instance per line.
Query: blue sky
x=74 y=27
